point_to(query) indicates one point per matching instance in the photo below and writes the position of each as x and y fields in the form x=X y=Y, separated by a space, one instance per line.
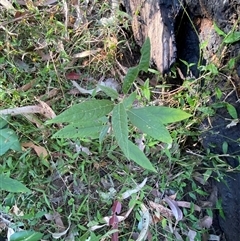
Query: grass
x=74 y=186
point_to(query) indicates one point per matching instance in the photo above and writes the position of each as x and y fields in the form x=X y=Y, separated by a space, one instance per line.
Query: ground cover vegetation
x=95 y=144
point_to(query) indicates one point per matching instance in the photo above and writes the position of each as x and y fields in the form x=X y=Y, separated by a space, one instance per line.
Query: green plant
x=88 y=119
x=8 y=138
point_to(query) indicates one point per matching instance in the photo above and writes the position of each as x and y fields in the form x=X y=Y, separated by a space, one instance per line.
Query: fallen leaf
x=206 y=222
x=10 y=232
x=26 y=86
x=174 y=207
x=73 y=76
x=128 y=193
x=46 y=110
x=40 y=151
x=185 y=204
x=60 y=234
x=177 y=235
x=117 y=206
x=144 y=223
x=7 y=5
x=15 y=210
x=213 y=237
x=166 y=212
x=191 y=235
x=86 y=53
x=233 y=123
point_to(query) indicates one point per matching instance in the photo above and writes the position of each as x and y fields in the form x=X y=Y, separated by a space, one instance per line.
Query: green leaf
x=87 y=111
x=81 y=130
x=218 y=30
x=120 y=127
x=3 y=122
x=8 y=140
x=149 y=124
x=11 y=185
x=109 y=91
x=212 y=68
x=138 y=156
x=103 y=133
x=145 y=55
x=130 y=78
x=225 y=147
x=231 y=63
x=231 y=38
x=165 y=114
x=232 y=111
x=26 y=236
x=128 y=101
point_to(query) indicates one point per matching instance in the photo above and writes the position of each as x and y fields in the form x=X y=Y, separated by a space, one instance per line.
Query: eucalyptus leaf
x=10 y=185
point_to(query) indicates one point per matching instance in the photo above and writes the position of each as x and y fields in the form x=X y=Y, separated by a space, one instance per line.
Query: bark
x=155 y=19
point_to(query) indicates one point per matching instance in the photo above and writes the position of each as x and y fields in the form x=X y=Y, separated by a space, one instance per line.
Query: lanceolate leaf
x=26 y=236
x=128 y=101
x=143 y=65
x=218 y=30
x=138 y=156
x=3 y=122
x=86 y=111
x=11 y=185
x=149 y=124
x=145 y=55
x=232 y=111
x=165 y=114
x=130 y=78
x=120 y=127
x=109 y=91
x=91 y=129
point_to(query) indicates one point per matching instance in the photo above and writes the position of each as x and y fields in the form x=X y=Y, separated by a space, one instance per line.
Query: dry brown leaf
x=26 y=86
x=188 y=205
x=86 y=53
x=177 y=212
x=206 y=222
x=166 y=212
x=16 y=211
x=191 y=235
x=40 y=150
x=58 y=221
x=46 y=110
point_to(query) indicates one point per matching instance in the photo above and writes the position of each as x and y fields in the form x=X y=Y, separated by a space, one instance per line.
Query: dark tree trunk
x=161 y=20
